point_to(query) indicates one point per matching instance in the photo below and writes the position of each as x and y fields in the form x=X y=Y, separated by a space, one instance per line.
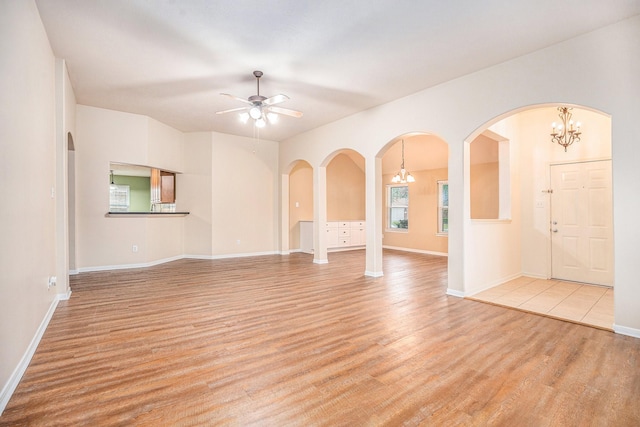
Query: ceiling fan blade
x=286 y=111
x=236 y=98
x=276 y=99
x=231 y=110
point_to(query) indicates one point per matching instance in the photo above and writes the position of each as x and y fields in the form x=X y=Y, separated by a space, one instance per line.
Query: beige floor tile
x=491 y=294
x=569 y=312
x=524 y=293
x=601 y=314
x=550 y=298
x=588 y=304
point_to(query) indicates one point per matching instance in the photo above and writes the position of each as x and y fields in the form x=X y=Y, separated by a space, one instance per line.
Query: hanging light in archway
x=403 y=176
x=567 y=132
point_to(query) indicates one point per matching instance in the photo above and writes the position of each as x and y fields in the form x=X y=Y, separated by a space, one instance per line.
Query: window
x=443 y=207
x=398 y=207
x=118 y=198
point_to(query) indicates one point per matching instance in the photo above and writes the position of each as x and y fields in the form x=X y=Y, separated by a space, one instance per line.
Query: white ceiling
x=171 y=59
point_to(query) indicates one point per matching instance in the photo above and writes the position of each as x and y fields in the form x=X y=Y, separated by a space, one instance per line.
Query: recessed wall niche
x=490 y=181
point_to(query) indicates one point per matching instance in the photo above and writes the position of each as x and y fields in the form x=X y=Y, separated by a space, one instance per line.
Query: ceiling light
x=255 y=112
x=244 y=117
x=260 y=123
x=403 y=176
x=273 y=118
x=567 y=132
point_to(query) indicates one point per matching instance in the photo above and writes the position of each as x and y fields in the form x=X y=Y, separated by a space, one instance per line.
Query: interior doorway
x=582 y=222
x=71 y=200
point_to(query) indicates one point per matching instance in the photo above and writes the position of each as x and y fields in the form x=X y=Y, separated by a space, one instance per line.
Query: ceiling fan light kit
x=259 y=108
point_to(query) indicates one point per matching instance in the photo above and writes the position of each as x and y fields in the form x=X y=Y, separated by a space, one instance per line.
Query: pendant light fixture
x=567 y=132
x=112 y=186
x=403 y=176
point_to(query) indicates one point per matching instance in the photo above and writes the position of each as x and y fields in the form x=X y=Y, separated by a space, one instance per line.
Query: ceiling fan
x=260 y=108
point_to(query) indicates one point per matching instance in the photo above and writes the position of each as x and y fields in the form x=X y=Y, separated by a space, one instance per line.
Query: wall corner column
x=373 y=209
x=319 y=215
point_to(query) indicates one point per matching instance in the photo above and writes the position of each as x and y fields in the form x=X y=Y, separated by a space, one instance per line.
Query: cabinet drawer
x=344 y=232
x=332 y=224
x=357 y=224
x=344 y=224
x=344 y=241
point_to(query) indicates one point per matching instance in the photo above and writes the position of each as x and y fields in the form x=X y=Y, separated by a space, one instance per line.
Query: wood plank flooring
x=280 y=341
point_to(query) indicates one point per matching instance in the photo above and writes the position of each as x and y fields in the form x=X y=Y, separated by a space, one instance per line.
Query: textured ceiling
x=171 y=59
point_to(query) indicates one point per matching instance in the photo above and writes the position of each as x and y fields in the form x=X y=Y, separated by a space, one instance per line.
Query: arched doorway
x=417 y=221
x=71 y=200
x=526 y=244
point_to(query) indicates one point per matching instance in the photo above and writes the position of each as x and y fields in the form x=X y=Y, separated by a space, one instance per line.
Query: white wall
x=537 y=153
x=245 y=195
x=229 y=186
x=493 y=248
x=65 y=125
x=27 y=172
x=104 y=136
x=195 y=193
x=598 y=70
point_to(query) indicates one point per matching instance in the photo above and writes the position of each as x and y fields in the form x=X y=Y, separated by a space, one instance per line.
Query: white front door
x=582 y=222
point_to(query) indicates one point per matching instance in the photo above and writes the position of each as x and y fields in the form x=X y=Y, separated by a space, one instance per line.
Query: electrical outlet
x=52 y=282
x=238 y=242
x=134 y=248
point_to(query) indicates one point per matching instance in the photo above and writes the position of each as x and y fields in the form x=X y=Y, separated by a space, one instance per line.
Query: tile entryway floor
x=576 y=302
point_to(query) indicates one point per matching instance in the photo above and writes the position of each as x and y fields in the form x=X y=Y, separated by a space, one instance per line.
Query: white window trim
x=440 y=232
x=388 y=207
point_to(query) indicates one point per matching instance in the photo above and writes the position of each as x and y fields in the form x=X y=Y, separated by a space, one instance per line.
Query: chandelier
x=565 y=133
x=403 y=176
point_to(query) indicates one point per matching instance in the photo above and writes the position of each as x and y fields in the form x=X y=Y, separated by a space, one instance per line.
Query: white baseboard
x=242 y=255
x=346 y=248
x=373 y=273
x=125 y=266
x=239 y=255
x=65 y=296
x=536 y=275
x=417 y=251
x=455 y=293
x=73 y=272
x=320 y=261
x=625 y=330
x=18 y=372
x=498 y=282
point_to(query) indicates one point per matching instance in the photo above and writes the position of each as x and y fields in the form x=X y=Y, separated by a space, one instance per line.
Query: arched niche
x=345 y=196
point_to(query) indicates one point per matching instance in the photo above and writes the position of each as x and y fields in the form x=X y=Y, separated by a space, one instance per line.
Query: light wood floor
x=280 y=341
x=576 y=302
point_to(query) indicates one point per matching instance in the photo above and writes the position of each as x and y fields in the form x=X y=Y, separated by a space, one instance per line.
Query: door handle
x=555 y=231
x=555 y=222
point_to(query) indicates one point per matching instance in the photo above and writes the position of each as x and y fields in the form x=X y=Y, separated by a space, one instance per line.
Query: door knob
x=555 y=231
x=555 y=222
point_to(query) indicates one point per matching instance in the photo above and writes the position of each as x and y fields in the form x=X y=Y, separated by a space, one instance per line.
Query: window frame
x=119 y=198
x=441 y=208
x=388 y=226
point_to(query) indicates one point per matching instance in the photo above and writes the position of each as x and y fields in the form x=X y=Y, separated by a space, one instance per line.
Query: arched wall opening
x=345 y=201
x=497 y=250
x=424 y=228
x=300 y=206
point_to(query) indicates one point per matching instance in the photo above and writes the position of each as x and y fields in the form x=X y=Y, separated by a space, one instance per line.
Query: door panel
x=582 y=222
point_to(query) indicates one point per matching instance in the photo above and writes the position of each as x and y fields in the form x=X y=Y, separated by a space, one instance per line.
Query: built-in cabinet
x=340 y=235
